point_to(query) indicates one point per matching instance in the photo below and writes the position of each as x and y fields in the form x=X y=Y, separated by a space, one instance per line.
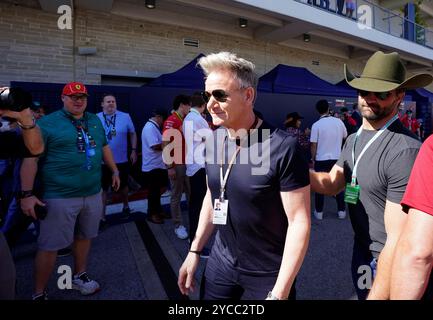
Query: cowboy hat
x=385 y=72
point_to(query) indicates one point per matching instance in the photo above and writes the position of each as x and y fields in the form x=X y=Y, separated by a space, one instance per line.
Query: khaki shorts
x=68 y=219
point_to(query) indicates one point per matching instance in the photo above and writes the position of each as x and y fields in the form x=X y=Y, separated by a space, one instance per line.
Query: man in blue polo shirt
x=70 y=172
x=118 y=127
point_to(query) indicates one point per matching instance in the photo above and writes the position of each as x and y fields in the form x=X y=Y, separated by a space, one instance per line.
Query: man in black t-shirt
x=375 y=180
x=33 y=141
x=263 y=221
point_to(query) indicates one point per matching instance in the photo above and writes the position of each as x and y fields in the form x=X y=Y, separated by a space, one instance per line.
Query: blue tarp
x=297 y=80
x=425 y=93
x=189 y=76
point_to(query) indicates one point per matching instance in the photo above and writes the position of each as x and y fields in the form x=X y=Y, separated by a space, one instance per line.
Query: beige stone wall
x=32 y=48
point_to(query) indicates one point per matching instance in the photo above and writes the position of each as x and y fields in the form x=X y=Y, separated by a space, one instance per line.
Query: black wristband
x=195 y=251
x=26 y=194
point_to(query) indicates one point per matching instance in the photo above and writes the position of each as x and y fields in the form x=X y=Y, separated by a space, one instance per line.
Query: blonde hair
x=242 y=69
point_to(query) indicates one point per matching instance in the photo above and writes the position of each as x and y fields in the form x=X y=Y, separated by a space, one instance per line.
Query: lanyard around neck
x=358 y=133
x=110 y=121
x=178 y=115
x=78 y=123
x=224 y=178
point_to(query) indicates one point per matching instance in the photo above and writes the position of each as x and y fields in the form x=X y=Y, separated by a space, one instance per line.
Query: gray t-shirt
x=383 y=173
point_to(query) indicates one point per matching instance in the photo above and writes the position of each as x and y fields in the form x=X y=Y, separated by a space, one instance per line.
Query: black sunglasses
x=379 y=95
x=219 y=95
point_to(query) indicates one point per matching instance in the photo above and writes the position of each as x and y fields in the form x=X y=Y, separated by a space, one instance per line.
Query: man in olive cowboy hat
x=373 y=169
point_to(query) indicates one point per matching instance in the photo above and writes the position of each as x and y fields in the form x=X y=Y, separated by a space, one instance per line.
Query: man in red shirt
x=411 y=276
x=411 y=123
x=174 y=158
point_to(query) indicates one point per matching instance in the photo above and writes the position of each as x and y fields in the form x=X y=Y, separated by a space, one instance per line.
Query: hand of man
x=133 y=157
x=186 y=281
x=115 y=182
x=28 y=206
x=25 y=116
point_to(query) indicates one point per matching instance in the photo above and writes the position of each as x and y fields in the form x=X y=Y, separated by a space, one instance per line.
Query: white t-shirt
x=151 y=136
x=194 y=129
x=328 y=132
x=122 y=124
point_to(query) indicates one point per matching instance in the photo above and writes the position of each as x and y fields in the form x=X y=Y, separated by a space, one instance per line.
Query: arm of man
x=394 y=219
x=107 y=156
x=313 y=147
x=297 y=207
x=32 y=135
x=328 y=183
x=28 y=171
x=413 y=259
x=205 y=228
x=133 y=140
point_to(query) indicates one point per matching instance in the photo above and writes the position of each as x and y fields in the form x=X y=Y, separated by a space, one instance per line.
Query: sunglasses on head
x=379 y=95
x=218 y=94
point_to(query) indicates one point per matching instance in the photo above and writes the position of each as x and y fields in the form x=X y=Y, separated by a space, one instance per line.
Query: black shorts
x=107 y=175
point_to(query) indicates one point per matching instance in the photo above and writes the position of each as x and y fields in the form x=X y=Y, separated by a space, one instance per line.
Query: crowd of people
x=256 y=205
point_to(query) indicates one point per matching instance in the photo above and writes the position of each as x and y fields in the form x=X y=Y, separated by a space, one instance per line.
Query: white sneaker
x=318 y=215
x=341 y=214
x=181 y=232
x=84 y=284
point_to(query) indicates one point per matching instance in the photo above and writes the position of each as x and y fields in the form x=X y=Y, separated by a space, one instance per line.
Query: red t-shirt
x=411 y=124
x=419 y=192
x=174 y=122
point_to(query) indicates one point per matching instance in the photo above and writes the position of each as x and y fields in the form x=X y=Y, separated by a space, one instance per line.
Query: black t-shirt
x=12 y=145
x=253 y=239
x=383 y=173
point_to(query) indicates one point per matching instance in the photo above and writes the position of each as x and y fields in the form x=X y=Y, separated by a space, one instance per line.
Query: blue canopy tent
x=297 y=80
x=189 y=76
x=297 y=89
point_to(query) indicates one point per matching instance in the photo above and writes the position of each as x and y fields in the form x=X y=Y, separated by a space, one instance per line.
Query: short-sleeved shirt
x=122 y=124
x=253 y=239
x=174 y=122
x=328 y=132
x=62 y=168
x=383 y=173
x=195 y=128
x=151 y=136
x=418 y=193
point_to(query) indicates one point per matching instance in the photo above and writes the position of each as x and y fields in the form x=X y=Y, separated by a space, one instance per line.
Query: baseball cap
x=74 y=88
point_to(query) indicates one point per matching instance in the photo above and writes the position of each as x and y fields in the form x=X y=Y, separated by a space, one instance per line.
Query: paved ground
x=136 y=260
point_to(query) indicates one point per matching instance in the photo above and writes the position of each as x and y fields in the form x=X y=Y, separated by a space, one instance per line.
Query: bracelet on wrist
x=25 y=194
x=116 y=173
x=27 y=126
x=272 y=297
x=195 y=251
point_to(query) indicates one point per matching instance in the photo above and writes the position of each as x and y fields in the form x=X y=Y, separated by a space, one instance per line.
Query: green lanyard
x=352 y=192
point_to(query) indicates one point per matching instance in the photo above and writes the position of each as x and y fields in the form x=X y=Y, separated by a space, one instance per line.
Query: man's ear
x=250 y=95
x=63 y=98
